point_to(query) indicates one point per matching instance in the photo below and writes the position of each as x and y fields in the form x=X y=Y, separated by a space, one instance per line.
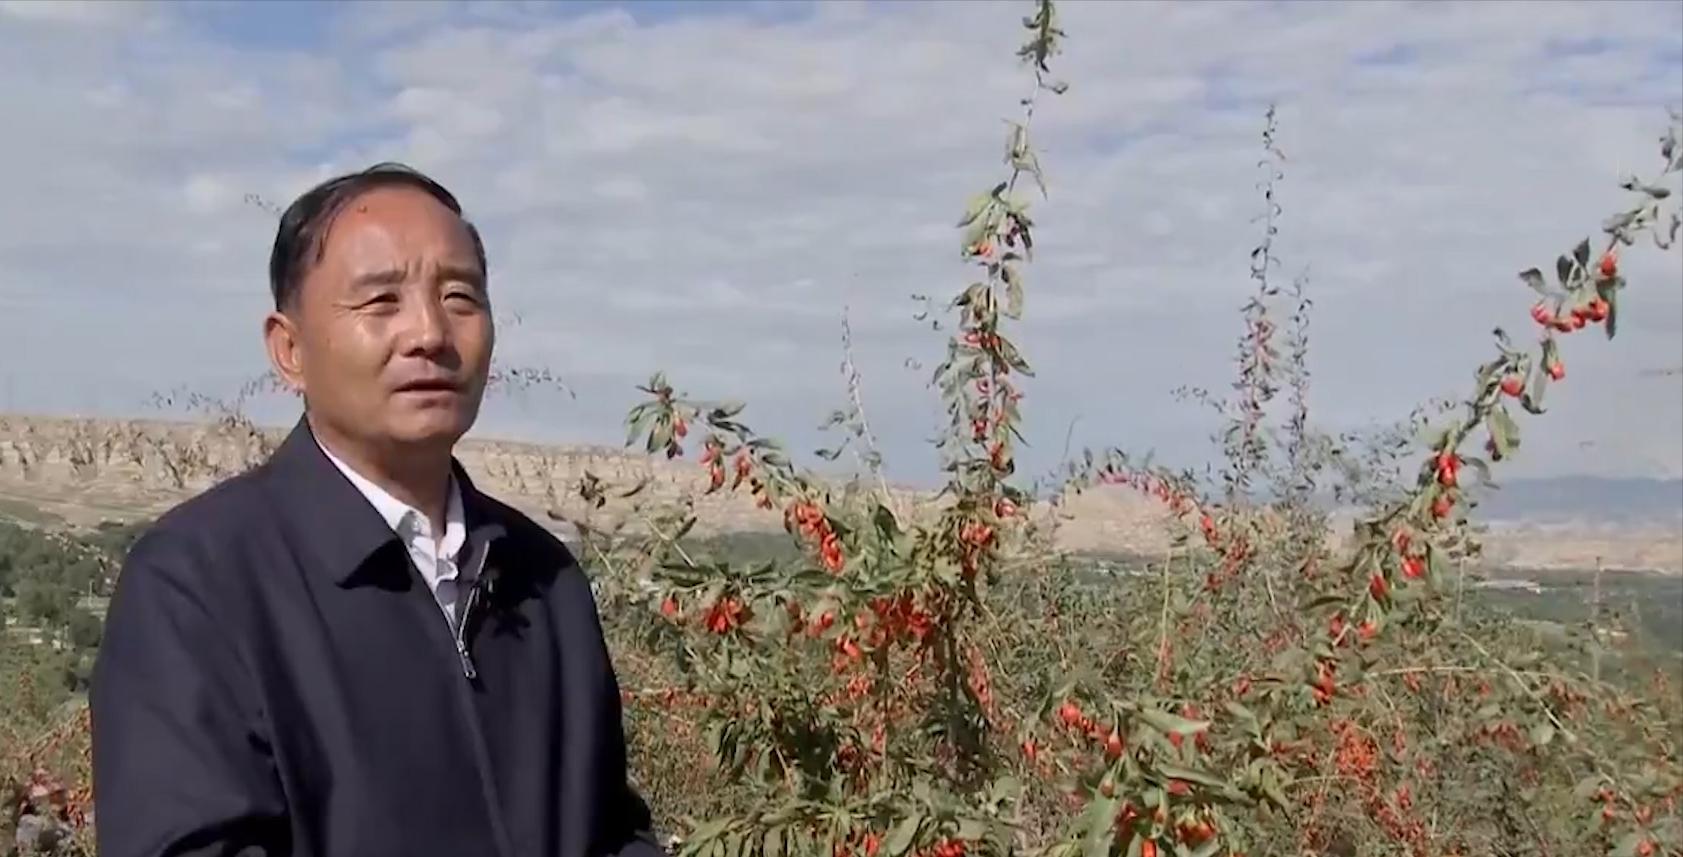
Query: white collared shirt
x=434 y=556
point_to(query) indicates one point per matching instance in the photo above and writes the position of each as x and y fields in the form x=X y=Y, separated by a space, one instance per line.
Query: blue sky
x=703 y=187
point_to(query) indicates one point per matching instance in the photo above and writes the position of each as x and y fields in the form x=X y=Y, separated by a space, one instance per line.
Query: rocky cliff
x=82 y=471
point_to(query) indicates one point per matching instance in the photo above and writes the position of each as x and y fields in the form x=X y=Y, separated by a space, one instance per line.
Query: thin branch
x=855 y=394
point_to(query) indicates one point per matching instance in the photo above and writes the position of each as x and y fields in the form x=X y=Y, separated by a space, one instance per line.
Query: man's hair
x=301 y=237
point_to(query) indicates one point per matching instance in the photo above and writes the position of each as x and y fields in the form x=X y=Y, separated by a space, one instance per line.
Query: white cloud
x=704 y=193
x=73 y=12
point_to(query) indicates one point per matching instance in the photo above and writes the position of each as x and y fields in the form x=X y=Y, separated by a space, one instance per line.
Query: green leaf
x=1542 y=734
x=1007 y=788
x=710 y=830
x=684 y=529
x=1482 y=468
x=1272 y=791
x=976 y=231
x=1166 y=723
x=1193 y=776
x=1534 y=278
x=637 y=422
x=1587 y=787
x=1628 y=845
x=1612 y=323
x=886 y=525
x=1008 y=352
x=1504 y=432
x=1013 y=292
x=1533 y=399
x=726 y=410
x=1581 y=254
x=1321 y=601
x=662 y=435
x=974 y=209
x=1563 y=271
x=901 y=839
x=1242 y=714
x=1099 y=822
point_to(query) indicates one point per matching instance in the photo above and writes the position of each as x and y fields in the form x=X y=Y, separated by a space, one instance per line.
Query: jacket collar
x=339 y=522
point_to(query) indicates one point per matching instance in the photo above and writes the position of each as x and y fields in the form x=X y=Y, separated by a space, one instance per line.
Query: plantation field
x=1650 y=604
x=659 y=736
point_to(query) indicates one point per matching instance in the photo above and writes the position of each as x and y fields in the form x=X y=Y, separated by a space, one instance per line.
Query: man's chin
x=439 y=426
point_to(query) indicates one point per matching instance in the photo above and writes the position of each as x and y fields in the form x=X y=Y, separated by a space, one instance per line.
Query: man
x=350 y=651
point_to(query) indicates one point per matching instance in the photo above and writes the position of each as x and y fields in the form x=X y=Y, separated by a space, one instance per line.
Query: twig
x=874 y=461
x=1460 y=585
x=665 y=539
x=1163 y=625
x=1535 y=697
x=1595 y=625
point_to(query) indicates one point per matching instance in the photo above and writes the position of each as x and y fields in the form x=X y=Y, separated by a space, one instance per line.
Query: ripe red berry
x=1513 y=385
x=1610 y=265
x=1070 y=714
x=1442 y=506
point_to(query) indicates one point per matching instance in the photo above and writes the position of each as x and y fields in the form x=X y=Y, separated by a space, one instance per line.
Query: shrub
x=945 y=683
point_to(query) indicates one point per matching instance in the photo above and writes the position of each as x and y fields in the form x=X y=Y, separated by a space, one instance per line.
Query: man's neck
x=418 y=478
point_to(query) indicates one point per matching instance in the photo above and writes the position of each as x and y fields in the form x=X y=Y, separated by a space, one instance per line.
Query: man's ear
x=280 y=339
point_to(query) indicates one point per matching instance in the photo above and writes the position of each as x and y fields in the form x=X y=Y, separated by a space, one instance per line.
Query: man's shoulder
x=206 y=524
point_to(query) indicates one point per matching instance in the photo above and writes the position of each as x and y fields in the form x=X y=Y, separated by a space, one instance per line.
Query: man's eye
x=380 y=301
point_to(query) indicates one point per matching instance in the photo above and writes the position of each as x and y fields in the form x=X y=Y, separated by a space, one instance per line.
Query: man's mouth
x=431 y=385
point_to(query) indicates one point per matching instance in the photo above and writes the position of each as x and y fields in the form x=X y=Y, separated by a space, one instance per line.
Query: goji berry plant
x=943 y=682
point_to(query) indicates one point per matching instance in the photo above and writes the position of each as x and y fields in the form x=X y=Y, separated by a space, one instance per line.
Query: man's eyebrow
x=382 y=277
x=395 y=276
x=469 y=274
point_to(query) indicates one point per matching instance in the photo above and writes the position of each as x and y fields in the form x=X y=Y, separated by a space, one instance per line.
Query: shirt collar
x=339 y=529
x=404 y=519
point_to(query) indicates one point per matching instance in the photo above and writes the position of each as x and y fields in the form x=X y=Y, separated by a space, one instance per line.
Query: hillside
x=82 y=471
x=1588 y=498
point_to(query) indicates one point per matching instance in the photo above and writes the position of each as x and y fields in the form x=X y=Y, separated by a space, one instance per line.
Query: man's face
x=390 y=336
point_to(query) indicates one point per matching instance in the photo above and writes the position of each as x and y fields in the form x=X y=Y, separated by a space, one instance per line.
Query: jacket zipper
x=462 y=652
x=461 y=631
x=464 y=697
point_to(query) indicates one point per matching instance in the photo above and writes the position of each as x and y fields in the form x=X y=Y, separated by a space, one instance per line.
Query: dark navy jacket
x=276 y=679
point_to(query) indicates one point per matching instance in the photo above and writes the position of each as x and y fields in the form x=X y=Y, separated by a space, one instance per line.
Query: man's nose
x=426 y=330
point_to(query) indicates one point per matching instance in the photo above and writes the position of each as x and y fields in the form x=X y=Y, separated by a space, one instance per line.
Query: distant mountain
x=1594 y=499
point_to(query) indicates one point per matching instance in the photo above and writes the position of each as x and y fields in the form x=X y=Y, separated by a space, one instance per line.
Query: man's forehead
x=398 y=203
x=389 y=218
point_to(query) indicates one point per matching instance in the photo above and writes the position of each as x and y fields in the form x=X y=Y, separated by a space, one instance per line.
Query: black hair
x=301 y=237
